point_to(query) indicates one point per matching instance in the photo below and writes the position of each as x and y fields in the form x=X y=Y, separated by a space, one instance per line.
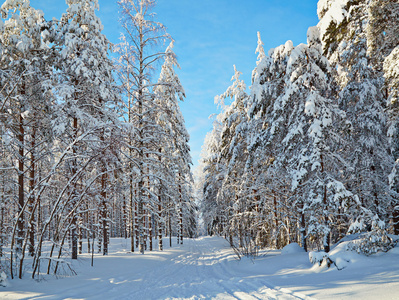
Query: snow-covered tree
x=88 y=99
x=26 y=110
x=149 y=101
x=233 y=152
x=270 y=180
x=174 y=136
x=213 y=212
x=357 y=45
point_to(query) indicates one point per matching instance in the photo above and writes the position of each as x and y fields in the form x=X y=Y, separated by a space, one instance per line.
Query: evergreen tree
x=88 y=94
x=352 y=48
x=174 y=137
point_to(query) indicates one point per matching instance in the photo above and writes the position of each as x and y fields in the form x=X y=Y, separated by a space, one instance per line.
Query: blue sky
x=210 y=37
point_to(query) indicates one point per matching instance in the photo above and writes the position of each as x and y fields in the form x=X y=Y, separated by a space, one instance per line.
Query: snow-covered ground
x=206 y=268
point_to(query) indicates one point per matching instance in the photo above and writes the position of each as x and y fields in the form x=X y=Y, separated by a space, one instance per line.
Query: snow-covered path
x=203 y=271
x=200 y=269
x=206 y=268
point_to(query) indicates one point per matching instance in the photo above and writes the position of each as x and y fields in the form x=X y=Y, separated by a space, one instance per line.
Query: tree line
x=310 y=154
x=91 y=147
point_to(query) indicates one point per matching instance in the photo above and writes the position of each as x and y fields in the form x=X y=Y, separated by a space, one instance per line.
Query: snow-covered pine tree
x=238 y=195
x=268 y=83
x=144 y=36
x=88 y=100
x=174 y=136
x=309 y=147
x=124 y=65
x=214 y=213
x=382 y=30
x=25 y=110
x=350 y=40
x=383 y=48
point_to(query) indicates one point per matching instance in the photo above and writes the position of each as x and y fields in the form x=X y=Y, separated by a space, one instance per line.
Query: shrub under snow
x=3 y=279
x=371 y=242
x=292 y=248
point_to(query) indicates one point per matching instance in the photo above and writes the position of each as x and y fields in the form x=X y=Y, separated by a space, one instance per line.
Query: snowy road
x=202 y=268
x=206 y=268
x=203 y=272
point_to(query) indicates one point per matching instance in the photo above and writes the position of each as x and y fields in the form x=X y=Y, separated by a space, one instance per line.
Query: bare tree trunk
x=74 y=237
x=136 y=224
x=150 y=229
x=145 y=227
x=170 y=231
x=160 y=242
x=180 y=210
x=140 y=218
x=80 y=235
x=133 y=210
x=395 y=218
x=88 y=231
x=124 y=220
x=276 y=221
x=2 y=229
x=21 y=194
x=302 y=229
x=31 y=199
x=104 y=212
x=326 y=237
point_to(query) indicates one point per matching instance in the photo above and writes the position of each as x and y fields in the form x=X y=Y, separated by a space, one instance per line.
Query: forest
x=309 y=155
x=94 y=145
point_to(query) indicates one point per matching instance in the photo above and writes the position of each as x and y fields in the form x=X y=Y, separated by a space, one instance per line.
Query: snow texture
x=206 y=268
x=292 y=249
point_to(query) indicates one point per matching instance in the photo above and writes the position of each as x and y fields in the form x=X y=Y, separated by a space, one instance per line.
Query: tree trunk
x=160 y=242
x=395 y=217
x=150 y=228
x=302 y=231
x=170 y=231
x=136 y=224
x=21 y=194
x=104 y=212
x=80 y=235
x=133 y=212
x=74 y=237
x=326 y=238
x=31 y=200
x=149 y=210
x=180 y=210
x=276 y=221
x=124 y=220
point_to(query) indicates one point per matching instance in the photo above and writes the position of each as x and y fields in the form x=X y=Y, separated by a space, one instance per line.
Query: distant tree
x=233 y=151
x=158 y=143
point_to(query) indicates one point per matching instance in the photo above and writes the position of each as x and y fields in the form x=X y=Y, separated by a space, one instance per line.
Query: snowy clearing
x=206 y=268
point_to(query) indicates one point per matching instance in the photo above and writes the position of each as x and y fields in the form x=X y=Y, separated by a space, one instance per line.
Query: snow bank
x=3 y=280
x=292 y=249
x=207 y=268
x=317 y=257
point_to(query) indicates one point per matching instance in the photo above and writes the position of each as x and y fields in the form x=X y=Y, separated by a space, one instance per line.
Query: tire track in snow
x=237 y=286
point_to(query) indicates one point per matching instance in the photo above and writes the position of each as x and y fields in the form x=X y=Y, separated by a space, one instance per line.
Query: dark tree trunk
x=74 y=237
x=104 y=212
x=31 y=200
x=21 y=194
